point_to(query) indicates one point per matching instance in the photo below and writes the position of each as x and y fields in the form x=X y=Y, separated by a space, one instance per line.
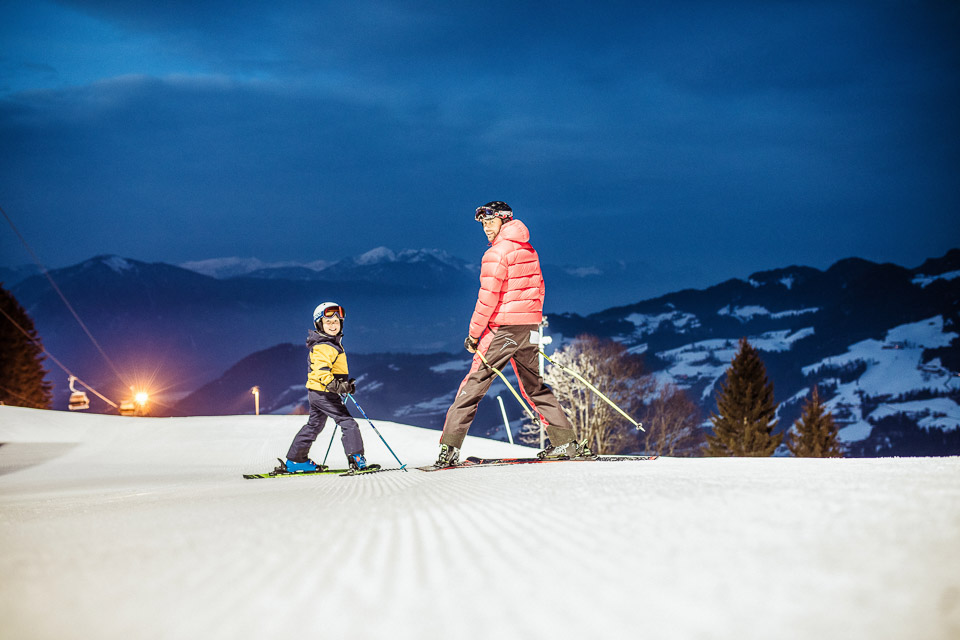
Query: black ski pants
x=515 y=344
x=324 y=404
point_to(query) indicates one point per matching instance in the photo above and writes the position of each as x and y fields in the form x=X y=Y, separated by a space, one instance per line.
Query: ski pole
x=638 y=425
x=510 y=387
x=350 y=395
x=335 y=425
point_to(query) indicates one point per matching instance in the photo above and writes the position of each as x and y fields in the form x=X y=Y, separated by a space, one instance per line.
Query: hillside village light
x=256 y=399
x=140 y=400
x=137 y=406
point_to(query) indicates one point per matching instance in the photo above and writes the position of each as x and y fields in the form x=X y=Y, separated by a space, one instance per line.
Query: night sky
x=695 y=140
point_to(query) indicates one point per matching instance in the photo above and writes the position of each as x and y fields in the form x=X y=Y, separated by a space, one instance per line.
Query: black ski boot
x=572 y=449
x=449 y=456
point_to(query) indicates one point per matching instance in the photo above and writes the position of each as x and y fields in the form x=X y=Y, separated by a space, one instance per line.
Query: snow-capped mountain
x=879 y=339
x=182 y=328
x=427 y=267
x=223 y=268
x=589 y=286
x=12 y=276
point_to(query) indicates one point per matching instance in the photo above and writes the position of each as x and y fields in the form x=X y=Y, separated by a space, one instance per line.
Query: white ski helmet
x=327 y=310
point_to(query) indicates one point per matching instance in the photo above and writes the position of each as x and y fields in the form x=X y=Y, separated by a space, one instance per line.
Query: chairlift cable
x=55 y=360
x=14 y=393
x=46 y=273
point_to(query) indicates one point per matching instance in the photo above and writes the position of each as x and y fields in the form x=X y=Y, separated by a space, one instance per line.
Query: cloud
x=217 y=158
x=256 y=129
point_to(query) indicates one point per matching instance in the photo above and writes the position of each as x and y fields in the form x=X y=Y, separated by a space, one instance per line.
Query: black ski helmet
x=495 y=209
x=328 y=310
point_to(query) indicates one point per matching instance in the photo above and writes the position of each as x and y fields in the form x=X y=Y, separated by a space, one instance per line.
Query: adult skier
x=327 y=378
x=504 y=328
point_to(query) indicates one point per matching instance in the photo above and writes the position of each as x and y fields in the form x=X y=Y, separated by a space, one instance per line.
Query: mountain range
x=880 y=340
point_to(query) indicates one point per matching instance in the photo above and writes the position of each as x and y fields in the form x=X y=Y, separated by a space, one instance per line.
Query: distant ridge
x=841 y=328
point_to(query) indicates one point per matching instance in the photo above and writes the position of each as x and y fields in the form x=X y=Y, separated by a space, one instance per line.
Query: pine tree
x=22 y=376
x=815 y=433
x=746 y=412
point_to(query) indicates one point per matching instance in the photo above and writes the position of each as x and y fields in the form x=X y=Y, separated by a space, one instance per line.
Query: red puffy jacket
x=511 y=284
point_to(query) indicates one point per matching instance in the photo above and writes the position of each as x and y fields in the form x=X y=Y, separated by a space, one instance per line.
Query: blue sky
x=696 y=140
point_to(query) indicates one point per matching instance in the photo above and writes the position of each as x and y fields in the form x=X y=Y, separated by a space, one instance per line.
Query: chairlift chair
x=78 y=399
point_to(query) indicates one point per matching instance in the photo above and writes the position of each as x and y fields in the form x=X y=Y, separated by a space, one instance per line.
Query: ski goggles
x=331 y=312
x=486 y=213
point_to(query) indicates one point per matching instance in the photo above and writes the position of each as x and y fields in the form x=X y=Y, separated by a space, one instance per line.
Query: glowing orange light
x=141 y=397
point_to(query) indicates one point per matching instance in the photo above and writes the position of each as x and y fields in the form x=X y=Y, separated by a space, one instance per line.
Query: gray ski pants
x=322 y=405
x=514 y=344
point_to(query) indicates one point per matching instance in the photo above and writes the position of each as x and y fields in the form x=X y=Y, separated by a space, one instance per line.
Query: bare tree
x=615 y=372
x=671 y=423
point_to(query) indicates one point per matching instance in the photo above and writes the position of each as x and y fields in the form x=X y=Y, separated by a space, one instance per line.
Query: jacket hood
x=513 y=230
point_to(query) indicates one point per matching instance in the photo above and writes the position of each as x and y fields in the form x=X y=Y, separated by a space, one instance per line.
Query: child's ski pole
x=638 y=425
x=510 y=387
x=350 y=395
x=324 y=463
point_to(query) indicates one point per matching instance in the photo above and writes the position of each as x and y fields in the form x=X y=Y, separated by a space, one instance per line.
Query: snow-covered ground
x=143 y=528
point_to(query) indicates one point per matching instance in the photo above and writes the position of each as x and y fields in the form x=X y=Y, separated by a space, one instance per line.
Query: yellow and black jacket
x=327 y=360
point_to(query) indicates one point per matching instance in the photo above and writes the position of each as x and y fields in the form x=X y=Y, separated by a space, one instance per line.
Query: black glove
x=470 y=344
x=343 y=386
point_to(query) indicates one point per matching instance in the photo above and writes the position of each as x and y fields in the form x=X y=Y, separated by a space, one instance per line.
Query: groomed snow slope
x=123 y=528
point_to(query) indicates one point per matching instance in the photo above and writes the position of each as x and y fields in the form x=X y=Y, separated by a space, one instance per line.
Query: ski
x=499 y=462
x=275 y=474
x=373 y=468
x=370 y=468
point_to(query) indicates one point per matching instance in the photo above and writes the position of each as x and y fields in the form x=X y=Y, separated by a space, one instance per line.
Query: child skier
x=326 y=380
